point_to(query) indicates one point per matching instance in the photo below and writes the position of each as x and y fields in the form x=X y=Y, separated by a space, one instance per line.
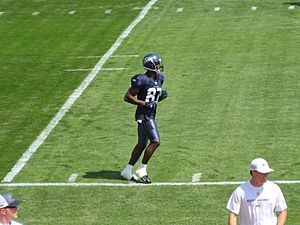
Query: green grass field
x=233 y=83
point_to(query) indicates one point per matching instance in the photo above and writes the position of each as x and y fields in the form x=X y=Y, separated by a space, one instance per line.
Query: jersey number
x=153 y=94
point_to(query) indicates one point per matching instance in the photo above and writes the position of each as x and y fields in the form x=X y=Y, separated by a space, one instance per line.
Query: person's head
x=259 y=170
x=8 y=208
x=153 y=63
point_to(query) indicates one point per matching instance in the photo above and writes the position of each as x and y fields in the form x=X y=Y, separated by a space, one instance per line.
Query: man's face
x=12 y=212
x=262 y=177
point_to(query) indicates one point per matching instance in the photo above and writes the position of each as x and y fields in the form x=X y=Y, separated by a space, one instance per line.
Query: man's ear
x=2 y=211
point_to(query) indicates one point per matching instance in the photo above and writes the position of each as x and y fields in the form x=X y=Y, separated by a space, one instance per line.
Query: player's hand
x=164 y=94
x=151 y=104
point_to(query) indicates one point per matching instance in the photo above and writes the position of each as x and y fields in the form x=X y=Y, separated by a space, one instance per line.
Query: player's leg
x=149 y=151
x=150 y=129
x=136 y=153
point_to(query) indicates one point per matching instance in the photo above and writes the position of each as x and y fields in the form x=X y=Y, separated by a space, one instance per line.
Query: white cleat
x=127 y=175
x=141 y=172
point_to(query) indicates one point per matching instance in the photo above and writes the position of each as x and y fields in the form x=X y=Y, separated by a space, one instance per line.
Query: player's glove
x=164 y=94
x=151 y=104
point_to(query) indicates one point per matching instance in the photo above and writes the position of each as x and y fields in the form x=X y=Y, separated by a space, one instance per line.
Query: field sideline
x=232 y=76
x=133 y=184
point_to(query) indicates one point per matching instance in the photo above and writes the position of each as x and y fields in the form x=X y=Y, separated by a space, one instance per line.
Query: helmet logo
x=149 y=59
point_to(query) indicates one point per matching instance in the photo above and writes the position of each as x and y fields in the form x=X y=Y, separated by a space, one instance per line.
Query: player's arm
x=282 y=216
x=232 y=218
x=130 y=96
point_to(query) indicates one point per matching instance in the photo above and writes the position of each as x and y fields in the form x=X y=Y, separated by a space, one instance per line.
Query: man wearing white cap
x=8 y=210
x=257 y=201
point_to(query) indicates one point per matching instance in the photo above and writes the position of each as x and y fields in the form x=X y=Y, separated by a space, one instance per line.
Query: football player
x=145 y=92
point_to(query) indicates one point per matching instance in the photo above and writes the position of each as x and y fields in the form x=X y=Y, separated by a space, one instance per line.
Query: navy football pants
x=147 y=130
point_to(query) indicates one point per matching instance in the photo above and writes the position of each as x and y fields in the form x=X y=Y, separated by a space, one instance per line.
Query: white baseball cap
x=260 y=165
x=7 y=201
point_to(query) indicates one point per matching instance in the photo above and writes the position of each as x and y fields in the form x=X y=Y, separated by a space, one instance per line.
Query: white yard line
x=131 y=184
x=179 y=10
x=196 y=177
x=89 y=69
x=124 y=56
x=108 y=11
x=73 y=97
x=113 y=56
x=88 y=57
x=73 y=177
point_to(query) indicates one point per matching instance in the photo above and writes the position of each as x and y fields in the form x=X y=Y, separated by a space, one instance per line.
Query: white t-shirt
x=257 y=205
x=13 y=223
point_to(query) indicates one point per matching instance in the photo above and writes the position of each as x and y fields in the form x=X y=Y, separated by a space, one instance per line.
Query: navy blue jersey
x=149 y=90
